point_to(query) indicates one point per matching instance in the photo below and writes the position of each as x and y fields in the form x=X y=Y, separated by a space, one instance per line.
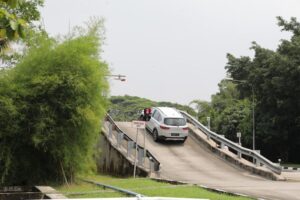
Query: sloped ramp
x=193 y=162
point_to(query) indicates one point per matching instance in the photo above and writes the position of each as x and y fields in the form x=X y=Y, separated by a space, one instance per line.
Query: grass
x=143 y=186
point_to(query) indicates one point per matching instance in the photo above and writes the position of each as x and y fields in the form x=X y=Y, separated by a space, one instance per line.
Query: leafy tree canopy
x=275 y=78
x=15 y=16
x=52 y=104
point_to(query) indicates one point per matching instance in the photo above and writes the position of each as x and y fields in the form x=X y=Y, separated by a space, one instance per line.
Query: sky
x=173 y=50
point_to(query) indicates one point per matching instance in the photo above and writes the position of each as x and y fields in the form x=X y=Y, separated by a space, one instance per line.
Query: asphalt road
x=191 y=162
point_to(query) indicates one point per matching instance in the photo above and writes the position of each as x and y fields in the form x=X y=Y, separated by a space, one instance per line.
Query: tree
x=203 y=109
x=229 y=113
x=15 y=16
x=275 y=77
x=52 y=105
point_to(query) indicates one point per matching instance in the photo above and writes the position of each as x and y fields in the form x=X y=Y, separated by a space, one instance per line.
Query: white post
x=151 y=164
x=239 y=135
x=208 y=122
x=239 y=154
x=222 y=144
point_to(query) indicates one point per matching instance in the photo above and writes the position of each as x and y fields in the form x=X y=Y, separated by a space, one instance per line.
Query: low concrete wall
x=112 y=161
x=232 y=158
x=27 y=192
x=49 y=192
x=20 y=192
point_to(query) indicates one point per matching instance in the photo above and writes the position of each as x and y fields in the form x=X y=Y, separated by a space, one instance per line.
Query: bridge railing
x=124 y=142
x=258 y=158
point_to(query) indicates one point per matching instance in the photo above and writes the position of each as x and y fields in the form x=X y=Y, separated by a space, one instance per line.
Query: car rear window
x=175 y=121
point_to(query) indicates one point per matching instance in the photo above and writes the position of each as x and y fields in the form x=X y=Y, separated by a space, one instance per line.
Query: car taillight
x=185 y=128
x=164 y=127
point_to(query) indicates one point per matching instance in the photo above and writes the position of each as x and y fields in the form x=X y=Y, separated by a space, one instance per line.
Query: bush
x=52 y=104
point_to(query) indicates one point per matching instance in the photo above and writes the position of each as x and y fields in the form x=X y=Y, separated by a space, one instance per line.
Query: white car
x=168 y=124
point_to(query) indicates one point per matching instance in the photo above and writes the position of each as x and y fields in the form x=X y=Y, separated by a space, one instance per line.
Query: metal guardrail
x=258 y=158
x=127 y=192
x=124 y=141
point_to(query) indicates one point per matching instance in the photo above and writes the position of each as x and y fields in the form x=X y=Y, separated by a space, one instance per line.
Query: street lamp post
x=253 y=119
x=118 y=77
x=253 y=108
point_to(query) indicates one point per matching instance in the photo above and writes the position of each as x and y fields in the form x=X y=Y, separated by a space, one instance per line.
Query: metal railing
x=127 y=145
x=258 y=158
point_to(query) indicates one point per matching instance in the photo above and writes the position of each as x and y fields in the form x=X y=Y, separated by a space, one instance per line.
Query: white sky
x=174 y=50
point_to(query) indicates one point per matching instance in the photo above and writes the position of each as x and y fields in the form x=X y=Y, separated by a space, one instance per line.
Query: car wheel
x=155 y=135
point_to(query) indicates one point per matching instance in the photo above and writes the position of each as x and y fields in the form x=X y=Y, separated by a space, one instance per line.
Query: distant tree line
x=128 y=108
x=273 y=77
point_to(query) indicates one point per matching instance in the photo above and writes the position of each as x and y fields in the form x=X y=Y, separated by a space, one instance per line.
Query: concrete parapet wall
x=112 y=161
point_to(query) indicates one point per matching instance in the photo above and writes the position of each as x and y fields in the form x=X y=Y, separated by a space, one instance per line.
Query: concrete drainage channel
x=23 y=192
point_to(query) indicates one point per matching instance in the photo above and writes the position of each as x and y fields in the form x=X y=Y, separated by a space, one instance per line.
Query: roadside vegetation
x=272 y=78
x=142 y=186
x=52 y=99
x=128 y=108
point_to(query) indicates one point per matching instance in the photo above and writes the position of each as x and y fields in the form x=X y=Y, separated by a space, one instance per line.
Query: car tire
x=155 y=135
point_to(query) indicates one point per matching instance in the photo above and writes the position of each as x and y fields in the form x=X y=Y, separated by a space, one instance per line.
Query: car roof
x=170 y=112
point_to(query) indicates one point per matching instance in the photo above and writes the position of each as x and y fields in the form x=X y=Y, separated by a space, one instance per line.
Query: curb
x=289 y=169
x=221 y=191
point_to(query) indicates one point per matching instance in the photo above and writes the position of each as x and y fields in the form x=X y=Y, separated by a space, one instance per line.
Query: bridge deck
x=191 y=162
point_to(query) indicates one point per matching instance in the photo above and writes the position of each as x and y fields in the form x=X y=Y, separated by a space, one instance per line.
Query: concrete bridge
x=200 y=160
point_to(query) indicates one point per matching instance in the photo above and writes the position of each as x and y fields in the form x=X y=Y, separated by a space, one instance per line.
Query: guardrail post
x=119 y=139
x=239 y=155
x=151 y=164
x=110 y=130
x=129 y=148
x=222 y=144
x=156 y=166
x=257 y=163
x=140 y=156
x=208 y=137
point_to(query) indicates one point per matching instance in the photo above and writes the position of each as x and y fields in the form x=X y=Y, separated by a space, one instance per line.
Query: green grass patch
x=143 y=186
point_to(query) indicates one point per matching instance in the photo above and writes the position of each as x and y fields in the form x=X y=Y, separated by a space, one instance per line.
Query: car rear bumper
x=172 y=138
